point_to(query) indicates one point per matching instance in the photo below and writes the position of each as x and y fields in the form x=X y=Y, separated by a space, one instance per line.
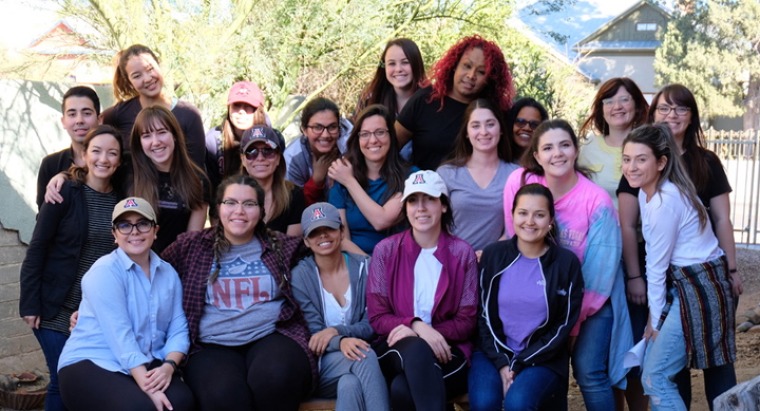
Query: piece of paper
x=635 y=356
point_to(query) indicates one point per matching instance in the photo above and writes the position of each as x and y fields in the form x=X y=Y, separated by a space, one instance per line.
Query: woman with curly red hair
x=473 y=68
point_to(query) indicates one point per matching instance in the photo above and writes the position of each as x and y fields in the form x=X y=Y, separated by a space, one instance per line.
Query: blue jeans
x=590 y=357
x=52 y=343
x=664 y=359
x=534 y=388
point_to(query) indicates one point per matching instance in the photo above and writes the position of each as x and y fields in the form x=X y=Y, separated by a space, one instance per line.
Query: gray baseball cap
x=319 y=215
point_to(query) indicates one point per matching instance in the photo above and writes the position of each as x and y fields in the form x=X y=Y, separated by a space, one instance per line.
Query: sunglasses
x=268 y=153
x=521 y=122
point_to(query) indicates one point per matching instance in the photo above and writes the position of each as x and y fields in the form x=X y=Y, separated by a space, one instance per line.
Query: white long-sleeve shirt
x=673 y=236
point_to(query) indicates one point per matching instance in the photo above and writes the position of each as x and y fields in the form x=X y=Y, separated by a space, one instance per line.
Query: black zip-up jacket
x=547 y=346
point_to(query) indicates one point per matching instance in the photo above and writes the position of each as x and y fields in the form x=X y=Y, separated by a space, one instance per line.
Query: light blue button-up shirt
x=126 y=319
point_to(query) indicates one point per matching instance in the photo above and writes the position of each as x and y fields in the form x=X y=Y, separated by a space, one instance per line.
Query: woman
x=131 y=331
x=261 y=155
x=521 y=120
x=698 y=329
x=473 y=68
x=587 y=225
x=249 y=341
x=67 y=239
x=370 y=180
x=676 y=106
x=422 y=301
x=619 y=107
x=137 y=84
x=323 y=141
x=476 y=174
x=329 y=285
x=164 y=175
x=245 y=108
x=531 y=293
x=399 y=75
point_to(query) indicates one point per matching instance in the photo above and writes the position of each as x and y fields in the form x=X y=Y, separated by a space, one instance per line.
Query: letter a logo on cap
x=130 y=203
x=258 y=133
x=318 y=214
x=418 y=179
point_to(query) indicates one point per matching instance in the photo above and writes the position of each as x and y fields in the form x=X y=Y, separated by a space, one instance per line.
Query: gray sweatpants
x=358 y=385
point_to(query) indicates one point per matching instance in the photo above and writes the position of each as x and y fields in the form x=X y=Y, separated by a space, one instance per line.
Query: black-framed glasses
x=521 y=122
x=267 y=152
x=379 y=133
x=247 y=205
x=142 y=226
x=319 y=128
x=680 y=110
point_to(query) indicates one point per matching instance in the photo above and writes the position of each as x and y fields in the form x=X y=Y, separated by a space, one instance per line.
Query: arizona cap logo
x=130 y=203
x=317 y=214
x=243 y=91
x=258 y=132
x=418 y=179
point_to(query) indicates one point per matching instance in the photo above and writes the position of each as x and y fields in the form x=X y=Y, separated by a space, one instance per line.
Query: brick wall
x=19 y=350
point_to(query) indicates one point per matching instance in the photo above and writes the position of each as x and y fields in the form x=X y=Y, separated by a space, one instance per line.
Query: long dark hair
x=393 y=170
x=185 y=175
x=380 y=91
x=536 y=189
x=221 y=243
x=511 y=117
x=463 y=146
x=529 y=160
x=659 y=139
x=607 y=90
x=694 y=138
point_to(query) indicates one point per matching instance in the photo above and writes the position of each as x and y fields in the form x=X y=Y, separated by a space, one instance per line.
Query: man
x=80 y=109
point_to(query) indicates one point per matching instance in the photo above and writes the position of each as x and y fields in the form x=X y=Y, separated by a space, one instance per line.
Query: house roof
x=650 y=45
x=587 y=43
x=62 y=39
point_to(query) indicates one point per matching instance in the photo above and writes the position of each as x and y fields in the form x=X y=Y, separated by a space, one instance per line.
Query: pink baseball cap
x=246 y=92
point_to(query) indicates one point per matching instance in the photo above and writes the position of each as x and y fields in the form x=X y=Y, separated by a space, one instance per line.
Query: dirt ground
x=747 y=343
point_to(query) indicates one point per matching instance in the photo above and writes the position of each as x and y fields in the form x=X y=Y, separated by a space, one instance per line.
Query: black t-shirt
x=292 y=214
x=122 y=116
x=717 y=183
x=173 y=211
x=433 y=131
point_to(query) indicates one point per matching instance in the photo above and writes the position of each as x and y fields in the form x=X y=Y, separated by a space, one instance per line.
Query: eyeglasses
x=521 y=122
x=622 y=100
x=379 y=133
x=319 y=128
x=247 y=205
x=126 y=228
x=267 y=152
x=680 y=110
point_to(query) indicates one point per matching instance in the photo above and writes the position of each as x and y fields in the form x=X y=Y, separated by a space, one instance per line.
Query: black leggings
x=85 y=386
x=272 y=373
x=416 y=380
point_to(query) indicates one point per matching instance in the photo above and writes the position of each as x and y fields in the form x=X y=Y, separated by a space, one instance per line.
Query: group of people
x=444 y=240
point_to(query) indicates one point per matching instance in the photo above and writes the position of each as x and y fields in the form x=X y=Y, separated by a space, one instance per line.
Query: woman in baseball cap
x=131 y=333
x=261 y=151
x=245 y=109
x=422 y=300
x=329 y=286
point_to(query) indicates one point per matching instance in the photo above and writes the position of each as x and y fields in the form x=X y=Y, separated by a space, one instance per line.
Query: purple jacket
x=390 y=288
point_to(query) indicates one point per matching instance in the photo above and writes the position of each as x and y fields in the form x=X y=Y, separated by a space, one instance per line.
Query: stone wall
x=19 y=350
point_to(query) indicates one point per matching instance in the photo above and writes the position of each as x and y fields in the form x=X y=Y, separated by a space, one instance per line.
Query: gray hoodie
x=308 y=293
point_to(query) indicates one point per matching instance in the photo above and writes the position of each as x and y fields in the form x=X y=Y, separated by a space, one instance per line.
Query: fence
x=738 y=150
